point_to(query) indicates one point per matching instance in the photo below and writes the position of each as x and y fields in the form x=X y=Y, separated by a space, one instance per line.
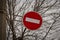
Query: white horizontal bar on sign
x=32 y=20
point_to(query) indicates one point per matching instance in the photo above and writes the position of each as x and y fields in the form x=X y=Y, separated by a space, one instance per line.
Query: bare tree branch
x=50 y=7
x=50 y=28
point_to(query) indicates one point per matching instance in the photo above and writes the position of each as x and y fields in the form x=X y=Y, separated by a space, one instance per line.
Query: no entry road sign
x=32 y=20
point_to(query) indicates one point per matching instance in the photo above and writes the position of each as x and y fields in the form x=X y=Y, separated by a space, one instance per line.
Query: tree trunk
x=2 y=20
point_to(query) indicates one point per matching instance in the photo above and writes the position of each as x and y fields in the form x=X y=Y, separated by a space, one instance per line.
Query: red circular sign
x=32 y=20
